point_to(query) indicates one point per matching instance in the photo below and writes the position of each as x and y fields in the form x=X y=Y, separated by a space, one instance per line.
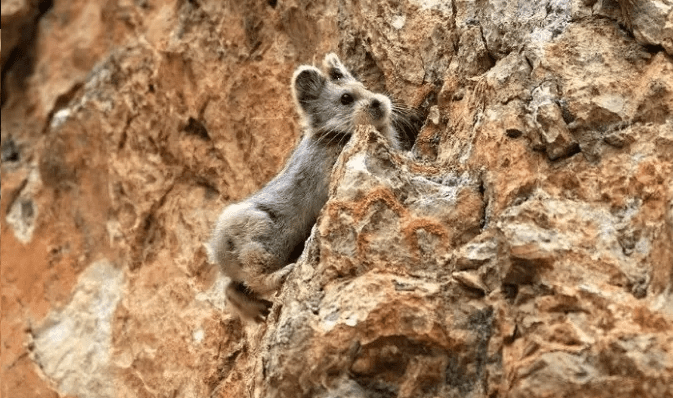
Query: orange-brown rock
x=522 y=248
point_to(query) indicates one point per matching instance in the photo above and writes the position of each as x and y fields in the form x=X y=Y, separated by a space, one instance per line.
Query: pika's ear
x=334 y=69
x=307 y=84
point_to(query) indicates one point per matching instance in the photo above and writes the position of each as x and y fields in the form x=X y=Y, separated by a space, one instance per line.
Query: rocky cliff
x=522 y=248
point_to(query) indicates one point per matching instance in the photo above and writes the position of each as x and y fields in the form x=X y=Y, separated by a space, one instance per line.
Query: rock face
x=522 y=248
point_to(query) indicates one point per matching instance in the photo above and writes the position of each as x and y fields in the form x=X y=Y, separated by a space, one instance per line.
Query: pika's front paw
x=284 y=272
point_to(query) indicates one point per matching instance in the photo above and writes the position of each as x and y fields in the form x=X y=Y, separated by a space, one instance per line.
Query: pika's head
x=332 y=101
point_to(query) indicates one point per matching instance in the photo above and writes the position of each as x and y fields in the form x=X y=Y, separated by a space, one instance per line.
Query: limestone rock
x=651 y=22
x=521 y=248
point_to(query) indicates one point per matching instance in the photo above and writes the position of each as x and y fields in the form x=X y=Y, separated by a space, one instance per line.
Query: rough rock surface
x=522 y=248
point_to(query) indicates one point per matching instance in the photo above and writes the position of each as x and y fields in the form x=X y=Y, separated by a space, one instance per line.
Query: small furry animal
x=253 y=240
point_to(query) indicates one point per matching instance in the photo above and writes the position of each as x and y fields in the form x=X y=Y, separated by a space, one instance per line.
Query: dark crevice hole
x=513 y=133
x=22 y=57
x=653 y=48
x=10 y=151
x=195 y=127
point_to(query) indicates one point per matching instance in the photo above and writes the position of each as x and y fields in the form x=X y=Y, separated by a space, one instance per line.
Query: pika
x=253 y=240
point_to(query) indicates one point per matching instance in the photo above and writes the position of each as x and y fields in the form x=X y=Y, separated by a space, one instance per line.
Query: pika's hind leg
x=246 y=303
x=245 y=300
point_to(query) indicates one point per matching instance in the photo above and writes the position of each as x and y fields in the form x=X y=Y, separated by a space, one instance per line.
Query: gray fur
x=253 y=239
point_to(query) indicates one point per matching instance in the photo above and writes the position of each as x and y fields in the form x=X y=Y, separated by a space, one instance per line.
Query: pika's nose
x=376 y=110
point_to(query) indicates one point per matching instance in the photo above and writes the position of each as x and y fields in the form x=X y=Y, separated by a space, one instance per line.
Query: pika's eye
x=335 y=74
x=346 y=99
